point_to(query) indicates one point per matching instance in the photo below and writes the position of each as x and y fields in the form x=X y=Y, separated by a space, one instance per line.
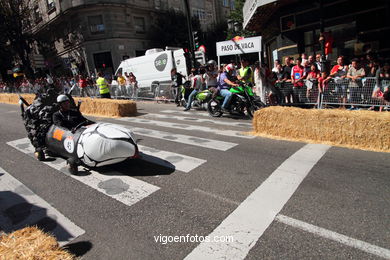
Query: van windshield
x=119 y=71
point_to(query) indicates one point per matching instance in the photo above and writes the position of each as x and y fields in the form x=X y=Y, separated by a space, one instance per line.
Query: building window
x=225 y=3
x=232 y=5
x=51 y=5
x=200 y=13
x=37 y=14
x=139 y=24
x=96 y=25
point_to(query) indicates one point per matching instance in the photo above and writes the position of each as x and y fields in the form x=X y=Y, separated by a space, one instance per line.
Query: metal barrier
x=365 y=92
x=340 y=92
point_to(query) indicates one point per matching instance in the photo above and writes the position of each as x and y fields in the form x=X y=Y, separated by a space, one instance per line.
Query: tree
x=170 y=29
x=237 y=17
x=14 y=21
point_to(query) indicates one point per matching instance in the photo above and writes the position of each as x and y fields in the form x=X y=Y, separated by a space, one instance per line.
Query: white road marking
x=198 y=120
x=325 y=233
x=184 y=139
x=322 y=232
x=253 y=216
x=181 y=162
x=125 y=189
x=20 y=207
x=195 y=128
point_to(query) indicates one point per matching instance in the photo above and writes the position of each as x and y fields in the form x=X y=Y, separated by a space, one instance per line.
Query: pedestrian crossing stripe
x=187 y=127
x=183 y=139
x=125 y=189
x=21 y=207
x=198 y=120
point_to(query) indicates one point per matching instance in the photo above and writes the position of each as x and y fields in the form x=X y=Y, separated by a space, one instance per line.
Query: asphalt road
x=330 y=205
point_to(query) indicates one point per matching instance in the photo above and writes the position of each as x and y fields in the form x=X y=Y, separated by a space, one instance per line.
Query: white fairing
x=103 y=143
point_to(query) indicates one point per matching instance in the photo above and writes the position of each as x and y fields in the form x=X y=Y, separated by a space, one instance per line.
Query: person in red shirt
x=297 y=76
x=83 y=86
x=339 y=74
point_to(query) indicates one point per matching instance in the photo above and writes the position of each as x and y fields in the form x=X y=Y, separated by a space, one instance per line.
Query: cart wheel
x=72 y=167
x=39 y=154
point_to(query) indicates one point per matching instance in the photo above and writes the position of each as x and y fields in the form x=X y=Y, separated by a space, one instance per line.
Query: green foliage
x=236 y=16
x=15 y=38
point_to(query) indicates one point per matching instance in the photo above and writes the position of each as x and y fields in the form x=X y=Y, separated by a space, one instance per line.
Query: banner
x=242 y=46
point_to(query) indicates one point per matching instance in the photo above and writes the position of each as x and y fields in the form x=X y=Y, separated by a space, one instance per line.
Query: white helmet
x=212 y=62
x=62 y=98
x=229 y=67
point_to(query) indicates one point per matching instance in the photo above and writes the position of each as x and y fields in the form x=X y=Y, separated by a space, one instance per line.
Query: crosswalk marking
x=125 y=189
x=188 y=118
x=184 y=139
x=194 y=128
x=181 y=162
x=251 y=218
x=20 y=207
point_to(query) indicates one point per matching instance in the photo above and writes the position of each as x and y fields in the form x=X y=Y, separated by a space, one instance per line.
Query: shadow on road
x=79 y=248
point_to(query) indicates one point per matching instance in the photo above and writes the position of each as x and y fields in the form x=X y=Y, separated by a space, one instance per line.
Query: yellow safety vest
x=103 y=87
x=244 y=71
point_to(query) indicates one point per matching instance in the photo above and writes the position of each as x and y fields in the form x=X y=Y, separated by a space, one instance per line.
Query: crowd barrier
x=364 y=92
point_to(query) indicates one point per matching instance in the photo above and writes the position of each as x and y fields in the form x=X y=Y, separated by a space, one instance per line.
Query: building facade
x=292 y=27
x=86 y=36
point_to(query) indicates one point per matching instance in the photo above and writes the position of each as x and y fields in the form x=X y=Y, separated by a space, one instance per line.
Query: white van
x=154 y=67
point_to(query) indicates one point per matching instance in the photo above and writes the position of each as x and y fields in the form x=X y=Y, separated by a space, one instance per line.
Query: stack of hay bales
x=107 y=107
x=365 y=130
x=31 y=243
x=90 y=106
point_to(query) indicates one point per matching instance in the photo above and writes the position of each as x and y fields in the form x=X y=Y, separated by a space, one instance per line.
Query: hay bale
x=107 y=107
x=365 y=130
x=31 y=243
x=91 y=106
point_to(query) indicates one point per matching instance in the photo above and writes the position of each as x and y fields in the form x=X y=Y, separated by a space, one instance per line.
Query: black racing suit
x=68 y=119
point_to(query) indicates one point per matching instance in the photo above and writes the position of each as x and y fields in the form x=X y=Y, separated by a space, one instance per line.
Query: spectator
x=287 y=89
x=83 y=86
x=122 y=84
x=311 y=81
x=128 y=84
x=304 y=58
x=323 y=82
x=177 y=83
x=297 y=77
x=196 y=85
x=276 y=63
x=134 y=86
x=355 y=75
x=382 y=83
x=311 y=60
x=259 y=78
x=279 y=77
x=339 y=74
x=318 y=62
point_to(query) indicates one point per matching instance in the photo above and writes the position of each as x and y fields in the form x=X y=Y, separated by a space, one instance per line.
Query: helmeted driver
x=225 y=82
x=67 y=117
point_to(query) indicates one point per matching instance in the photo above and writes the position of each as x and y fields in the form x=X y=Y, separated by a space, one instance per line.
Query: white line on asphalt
x=253 y=216
x=20 y=207
x=181 y=162
x=184 y=139
x=198 y=120
x=125 y=189
x=322 y=232
x=195 y=128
